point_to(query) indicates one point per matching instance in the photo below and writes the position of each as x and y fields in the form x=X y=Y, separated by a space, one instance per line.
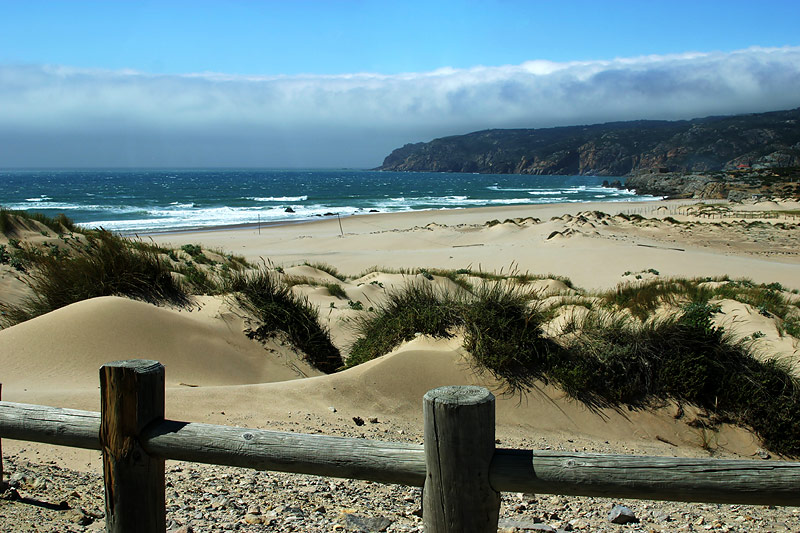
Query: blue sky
x=341 y=83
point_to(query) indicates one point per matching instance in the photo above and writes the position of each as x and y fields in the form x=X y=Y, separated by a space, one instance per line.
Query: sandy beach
x=592 y=254
x=217 y=375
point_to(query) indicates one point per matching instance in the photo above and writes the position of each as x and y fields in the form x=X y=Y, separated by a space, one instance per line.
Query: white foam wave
x=278 y=198
x=544 y=192
x=167 y=219
x=64 y=206
x=509 y=189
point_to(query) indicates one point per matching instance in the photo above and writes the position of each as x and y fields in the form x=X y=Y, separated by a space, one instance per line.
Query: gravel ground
x=44 y=497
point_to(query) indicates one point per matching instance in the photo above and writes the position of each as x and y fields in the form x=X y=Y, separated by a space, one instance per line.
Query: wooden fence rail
x=459 y=467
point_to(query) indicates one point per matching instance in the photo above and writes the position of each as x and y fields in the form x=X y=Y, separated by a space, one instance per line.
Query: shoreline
x=594 y=254
x=560 y=206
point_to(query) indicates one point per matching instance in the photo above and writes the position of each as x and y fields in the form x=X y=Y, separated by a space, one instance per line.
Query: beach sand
x=215 y=374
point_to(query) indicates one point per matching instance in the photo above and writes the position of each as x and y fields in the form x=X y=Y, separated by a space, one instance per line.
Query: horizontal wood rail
x=512 y=470
x=507 y=470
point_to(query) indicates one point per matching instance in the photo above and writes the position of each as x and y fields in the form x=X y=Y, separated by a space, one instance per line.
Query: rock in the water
x=621 y=515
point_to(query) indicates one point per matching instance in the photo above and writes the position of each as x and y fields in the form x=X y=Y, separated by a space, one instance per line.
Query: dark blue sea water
x=169 y=199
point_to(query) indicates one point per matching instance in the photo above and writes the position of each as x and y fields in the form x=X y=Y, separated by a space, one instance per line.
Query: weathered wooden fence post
x=132 y=396
x=459 y=445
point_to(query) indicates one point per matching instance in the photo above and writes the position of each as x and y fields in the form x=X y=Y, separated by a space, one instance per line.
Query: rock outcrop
x=735 y=185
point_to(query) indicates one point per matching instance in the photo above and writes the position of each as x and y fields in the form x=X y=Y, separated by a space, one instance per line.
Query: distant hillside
x=614 y=149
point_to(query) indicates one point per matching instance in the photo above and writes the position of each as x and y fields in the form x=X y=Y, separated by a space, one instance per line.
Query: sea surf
x=152 y=200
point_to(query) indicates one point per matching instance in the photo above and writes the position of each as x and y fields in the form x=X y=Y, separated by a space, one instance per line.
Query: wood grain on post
x=459 y=445
x=132 y=396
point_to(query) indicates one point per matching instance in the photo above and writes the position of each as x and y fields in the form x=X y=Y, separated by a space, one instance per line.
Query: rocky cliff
x=734 y=185
x=762 y=140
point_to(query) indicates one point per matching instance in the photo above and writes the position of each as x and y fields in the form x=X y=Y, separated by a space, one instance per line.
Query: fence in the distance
x=459 y=468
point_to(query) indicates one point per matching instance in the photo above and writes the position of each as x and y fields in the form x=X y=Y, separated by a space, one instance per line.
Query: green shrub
x=791 y=326
x=192 y=249
x=688 y=359
x=418 y=308
x=335 y=290
x=107 y=266
x=59 y=224
x=325 y=267
x=503 y=334
x=195 y=251
x=279 y=310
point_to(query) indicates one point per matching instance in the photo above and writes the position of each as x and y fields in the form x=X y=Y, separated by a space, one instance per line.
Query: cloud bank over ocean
x=67 y=116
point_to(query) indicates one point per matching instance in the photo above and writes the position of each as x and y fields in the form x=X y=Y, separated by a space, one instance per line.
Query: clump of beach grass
x=105 y=266
x=643 y=298
x=608 y=359
x=329 y=269
x=278 y=309
x=502 y=329
x=334 y=289
x=418 y=308
x=502 y=326
x=59 y=224
x=684 y=358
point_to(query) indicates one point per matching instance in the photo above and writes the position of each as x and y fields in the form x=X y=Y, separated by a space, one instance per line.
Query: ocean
x=151 y=200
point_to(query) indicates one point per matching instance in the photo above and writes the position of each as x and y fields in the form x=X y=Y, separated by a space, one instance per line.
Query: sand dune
x=63 y=350
x=215 y=374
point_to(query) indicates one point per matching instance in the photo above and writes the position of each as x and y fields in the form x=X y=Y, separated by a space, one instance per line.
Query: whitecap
x=278 y=198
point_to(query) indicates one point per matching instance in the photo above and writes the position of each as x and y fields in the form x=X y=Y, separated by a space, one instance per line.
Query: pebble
x=622 y=515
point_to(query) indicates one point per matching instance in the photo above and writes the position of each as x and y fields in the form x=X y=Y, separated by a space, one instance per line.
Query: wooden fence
x=459 y=468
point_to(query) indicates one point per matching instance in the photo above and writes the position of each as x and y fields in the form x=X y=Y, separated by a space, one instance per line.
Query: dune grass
x=608 y=359
x=502 y=328
x=107 y=265
x=688 y=359
x=59 y=224
x=335 y=290
x=419 y=307
x=277 y=309
x=330 y=269
x=642 y=298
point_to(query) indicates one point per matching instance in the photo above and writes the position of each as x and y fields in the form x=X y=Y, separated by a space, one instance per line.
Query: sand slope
x=63 y=350
x=391 y=388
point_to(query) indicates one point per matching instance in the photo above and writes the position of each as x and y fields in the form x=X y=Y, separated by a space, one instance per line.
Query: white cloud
x=357 y=118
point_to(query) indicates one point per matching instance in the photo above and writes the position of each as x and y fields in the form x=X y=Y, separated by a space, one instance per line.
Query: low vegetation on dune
x=81 y=264
x=614 y=355
x=417 y=308
x=278 y=310
x=10 y=219
x=648 y=341
x=104 y=265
